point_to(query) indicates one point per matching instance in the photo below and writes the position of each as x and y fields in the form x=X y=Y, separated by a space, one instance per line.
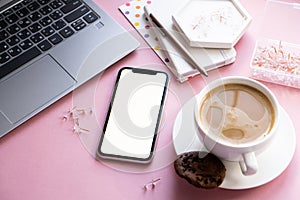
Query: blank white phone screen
x=134 y=114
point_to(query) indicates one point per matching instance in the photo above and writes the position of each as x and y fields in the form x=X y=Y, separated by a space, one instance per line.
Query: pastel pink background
x=44 y=159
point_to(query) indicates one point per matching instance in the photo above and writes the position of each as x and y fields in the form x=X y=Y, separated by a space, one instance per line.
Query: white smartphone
x=131 y=126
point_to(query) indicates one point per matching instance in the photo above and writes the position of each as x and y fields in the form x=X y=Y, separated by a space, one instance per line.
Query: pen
x=165 y=33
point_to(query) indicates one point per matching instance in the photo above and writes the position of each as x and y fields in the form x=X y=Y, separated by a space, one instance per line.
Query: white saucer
x=272 y=162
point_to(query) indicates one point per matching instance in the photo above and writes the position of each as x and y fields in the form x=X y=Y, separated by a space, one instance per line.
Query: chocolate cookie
x=202 y=170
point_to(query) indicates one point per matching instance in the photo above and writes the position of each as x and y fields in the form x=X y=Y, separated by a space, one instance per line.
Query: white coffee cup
x=230 y=127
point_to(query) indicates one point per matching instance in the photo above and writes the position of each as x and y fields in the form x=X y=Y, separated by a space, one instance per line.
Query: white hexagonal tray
x=211 y=23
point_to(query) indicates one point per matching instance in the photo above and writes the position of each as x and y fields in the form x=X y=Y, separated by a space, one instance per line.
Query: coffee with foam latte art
x=237 y=113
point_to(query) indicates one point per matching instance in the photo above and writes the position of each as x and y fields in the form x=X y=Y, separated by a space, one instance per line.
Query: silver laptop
x=49 y=48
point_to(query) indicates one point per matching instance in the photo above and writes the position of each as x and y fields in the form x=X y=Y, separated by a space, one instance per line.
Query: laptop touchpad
x=32 y=88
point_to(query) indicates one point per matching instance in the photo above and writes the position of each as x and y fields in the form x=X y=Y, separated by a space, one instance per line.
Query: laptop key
x=26 y=2
x=24 y=22
x=22 y=12
x=13 y=40
x=56 y=15
x=37 y=37
x=70 y=6
x=26 y=44
x=4 y=58
x=90 y=18
x=67 y=1
x=35 y=16
x=59 y=24
x=47 y=31
x=66 y=32
x=45 y=21
x=3 y=35
x=13 y=29
x=3 y=24
x=56 y=4
x=12 y=18
x=35 y=27
x=14 y=51
x=3 y=46
x=44 y=45
x=18 y=61
x=7 y=12
x=24 y=34
x=55 y=39
x=78 y=24
x=17 y=6
x=42 y=2
x=46 y=10
x=33 y=6
x=76 y=14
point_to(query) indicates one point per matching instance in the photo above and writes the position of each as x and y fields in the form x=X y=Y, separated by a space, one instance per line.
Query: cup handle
x=249 y=164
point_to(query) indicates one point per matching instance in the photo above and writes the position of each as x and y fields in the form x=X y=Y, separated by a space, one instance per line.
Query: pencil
x=166 y=33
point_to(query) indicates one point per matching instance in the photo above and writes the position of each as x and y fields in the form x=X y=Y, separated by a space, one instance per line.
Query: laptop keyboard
x=32 y=27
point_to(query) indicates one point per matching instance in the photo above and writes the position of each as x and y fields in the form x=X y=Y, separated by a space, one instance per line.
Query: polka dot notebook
x=134 y=12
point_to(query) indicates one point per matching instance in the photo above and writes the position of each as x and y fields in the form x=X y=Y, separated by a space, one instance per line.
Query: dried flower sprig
x=152 y=184
x=74 y=114
x=277 y=57
x=210 y=20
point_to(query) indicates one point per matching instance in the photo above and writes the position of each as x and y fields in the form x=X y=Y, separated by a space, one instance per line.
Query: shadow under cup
x=237 y=118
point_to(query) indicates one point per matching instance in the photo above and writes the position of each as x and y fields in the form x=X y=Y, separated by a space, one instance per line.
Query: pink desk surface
x=44 y=159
